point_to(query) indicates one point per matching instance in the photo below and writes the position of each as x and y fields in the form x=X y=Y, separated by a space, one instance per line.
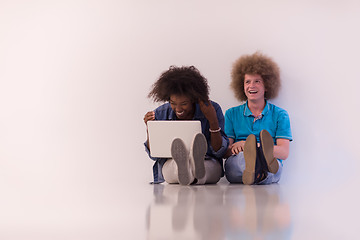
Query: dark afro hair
x=185 y=80
x=256 y=63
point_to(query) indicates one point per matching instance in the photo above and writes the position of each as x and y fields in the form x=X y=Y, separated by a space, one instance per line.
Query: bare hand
x=237 y=147
x=149 y=116
x=208 y=110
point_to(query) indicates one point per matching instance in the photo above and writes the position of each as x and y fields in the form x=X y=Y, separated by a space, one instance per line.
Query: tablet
x=162 y=133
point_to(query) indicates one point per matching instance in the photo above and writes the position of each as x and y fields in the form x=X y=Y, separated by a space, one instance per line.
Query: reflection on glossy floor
x=87 y=209
x=218 y=212
x=235 y=211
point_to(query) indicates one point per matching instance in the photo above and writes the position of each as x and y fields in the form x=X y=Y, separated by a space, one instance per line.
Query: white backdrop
x=74 y=76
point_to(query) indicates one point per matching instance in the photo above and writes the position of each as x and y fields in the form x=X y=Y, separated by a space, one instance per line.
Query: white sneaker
x=181 y=157
x=197 y=155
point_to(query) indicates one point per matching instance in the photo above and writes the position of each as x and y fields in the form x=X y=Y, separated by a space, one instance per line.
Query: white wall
x=74 y=76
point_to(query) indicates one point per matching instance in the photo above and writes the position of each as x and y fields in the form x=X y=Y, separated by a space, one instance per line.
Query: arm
x=210 y=114
x=229 y=150
x=283 y=136
x=149 y=116
x=281 y=149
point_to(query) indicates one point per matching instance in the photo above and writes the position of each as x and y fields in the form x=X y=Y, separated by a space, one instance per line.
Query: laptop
x=162 y=133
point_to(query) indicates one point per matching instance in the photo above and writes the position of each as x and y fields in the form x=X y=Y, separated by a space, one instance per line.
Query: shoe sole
x=267 y=145
x=197 y=156
x=250 y=160
x=180 y=156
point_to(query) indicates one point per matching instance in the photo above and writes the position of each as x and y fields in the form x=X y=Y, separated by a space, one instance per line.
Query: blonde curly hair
x=256 y=63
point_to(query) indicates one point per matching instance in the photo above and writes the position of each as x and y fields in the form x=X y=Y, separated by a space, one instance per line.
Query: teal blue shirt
x=240 y=122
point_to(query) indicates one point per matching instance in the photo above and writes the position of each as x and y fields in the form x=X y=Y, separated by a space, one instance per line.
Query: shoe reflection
x=218 y=212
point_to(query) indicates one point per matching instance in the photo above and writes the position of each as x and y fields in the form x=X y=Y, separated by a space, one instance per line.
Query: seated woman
x=257 y=125
x=186 y=94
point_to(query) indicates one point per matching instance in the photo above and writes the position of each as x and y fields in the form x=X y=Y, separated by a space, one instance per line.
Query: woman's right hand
x=149 y=116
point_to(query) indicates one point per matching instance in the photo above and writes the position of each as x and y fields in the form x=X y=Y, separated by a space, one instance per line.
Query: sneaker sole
x=198 y=151
x=180 y=156
x=250 y=160
x=267 y=144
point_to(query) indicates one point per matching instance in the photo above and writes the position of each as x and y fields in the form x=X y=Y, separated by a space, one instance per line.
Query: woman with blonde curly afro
x=259 y=132
x=186 y=95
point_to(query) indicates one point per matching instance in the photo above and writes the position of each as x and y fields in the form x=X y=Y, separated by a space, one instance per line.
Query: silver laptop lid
x=162 y=133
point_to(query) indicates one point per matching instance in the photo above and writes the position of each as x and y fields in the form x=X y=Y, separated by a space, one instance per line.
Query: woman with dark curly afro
x=186 y=93
x=259 y=132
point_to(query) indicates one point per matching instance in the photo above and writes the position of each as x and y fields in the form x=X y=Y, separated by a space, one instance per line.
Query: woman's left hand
x=208 y=110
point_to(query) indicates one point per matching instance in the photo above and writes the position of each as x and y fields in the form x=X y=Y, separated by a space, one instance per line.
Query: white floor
x=226 y=211
x=138 y=210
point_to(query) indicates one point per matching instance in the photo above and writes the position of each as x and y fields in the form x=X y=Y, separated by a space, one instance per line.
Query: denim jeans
x=235 y=166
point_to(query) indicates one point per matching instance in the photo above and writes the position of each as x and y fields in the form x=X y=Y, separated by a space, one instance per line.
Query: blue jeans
x=235 y=166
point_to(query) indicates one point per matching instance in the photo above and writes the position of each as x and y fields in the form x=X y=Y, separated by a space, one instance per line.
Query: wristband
x=215 y=131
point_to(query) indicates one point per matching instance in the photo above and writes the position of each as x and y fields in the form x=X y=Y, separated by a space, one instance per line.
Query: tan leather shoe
x=267 y=147
x=250 y=160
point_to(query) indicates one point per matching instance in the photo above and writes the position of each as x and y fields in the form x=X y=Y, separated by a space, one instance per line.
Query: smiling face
x=254 y=87
x=182 y=106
